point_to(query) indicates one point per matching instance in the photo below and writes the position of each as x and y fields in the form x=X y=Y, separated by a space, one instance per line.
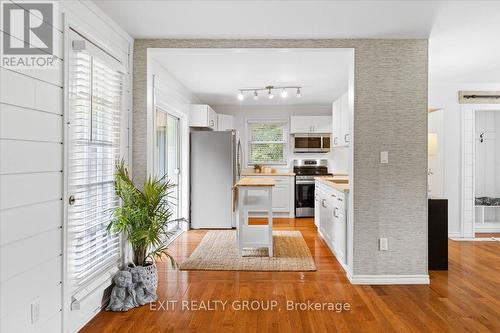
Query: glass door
x=167 y=155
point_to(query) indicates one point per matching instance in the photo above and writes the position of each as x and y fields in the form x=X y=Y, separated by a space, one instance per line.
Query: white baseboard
x=388 y=279
x=489 y=227
x=455 y=234
x=275 y=214
x=487 y=230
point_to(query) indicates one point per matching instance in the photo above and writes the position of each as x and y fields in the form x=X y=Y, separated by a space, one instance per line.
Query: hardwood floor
x=464 y=299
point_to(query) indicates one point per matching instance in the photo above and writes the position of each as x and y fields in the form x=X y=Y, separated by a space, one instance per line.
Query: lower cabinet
x=326 y=222
x=317 y=206
x=331 y=219
x=283 y=195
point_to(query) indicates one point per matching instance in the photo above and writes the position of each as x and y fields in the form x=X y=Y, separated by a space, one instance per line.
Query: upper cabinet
x=310 y=124
x=341 y=121
x=225 y=122
x=202 y=115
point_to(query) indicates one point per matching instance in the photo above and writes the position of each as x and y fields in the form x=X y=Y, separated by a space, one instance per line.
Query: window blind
x=94 y=148
x=267 y=142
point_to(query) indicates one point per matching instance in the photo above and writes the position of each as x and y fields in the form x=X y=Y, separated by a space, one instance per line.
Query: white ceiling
x=463 y=35
x=215 y=75
x=464 y=46
x=272 y=18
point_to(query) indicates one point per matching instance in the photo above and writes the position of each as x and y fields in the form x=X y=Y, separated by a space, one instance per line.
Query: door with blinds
x=167 y=155
x=93 y=148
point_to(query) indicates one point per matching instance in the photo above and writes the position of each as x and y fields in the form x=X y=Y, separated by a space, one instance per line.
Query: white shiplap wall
x=32 y=179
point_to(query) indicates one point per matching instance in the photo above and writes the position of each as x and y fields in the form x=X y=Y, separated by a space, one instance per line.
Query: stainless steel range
x=305 y=171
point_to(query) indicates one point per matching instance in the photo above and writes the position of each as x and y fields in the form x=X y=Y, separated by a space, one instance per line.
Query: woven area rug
x=218 y=251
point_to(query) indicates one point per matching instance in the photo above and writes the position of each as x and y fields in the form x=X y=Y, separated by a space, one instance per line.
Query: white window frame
x=91 y=295
x=284 y=122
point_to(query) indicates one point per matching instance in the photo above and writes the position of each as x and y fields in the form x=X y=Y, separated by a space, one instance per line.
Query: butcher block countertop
x=342 y=186
x=256 y=182
x=251 y=172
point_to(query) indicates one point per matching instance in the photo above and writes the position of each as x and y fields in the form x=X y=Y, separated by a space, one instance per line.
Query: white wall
x=173 y=97
x=32 y=181
x=445 y=96
x=488 y=154
x=337 y=157
x=435 y=180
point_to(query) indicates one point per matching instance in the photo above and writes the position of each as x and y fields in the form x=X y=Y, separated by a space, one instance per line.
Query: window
x=267 y=142
x=93 y=149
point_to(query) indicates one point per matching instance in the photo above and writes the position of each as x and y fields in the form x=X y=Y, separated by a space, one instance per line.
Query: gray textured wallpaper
x=390 y=114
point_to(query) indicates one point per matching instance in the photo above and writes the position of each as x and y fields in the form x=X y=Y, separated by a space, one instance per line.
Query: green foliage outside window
x=267 y=143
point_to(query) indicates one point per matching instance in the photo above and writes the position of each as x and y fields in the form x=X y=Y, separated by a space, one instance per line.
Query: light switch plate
x=384 y=157
x=383 y=244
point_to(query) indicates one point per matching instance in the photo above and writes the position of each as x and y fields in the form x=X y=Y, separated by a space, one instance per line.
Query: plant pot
x=152 y=273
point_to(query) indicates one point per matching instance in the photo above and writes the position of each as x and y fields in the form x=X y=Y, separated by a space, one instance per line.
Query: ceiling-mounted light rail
x=270 y=91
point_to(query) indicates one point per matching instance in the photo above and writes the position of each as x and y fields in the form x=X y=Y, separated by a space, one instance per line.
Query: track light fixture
x=269 y=89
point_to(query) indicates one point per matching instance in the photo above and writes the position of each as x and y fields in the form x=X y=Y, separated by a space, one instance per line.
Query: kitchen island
x=250 y=198
x=283 y=192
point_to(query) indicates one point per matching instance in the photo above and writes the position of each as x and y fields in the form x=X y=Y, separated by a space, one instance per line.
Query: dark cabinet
x=438 y=234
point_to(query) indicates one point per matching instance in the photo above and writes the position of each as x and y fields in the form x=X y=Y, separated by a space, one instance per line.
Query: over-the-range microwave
x=311 y=143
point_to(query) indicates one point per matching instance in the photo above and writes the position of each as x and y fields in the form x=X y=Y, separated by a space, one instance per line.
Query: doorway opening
x=480 y=175
x=487 y=173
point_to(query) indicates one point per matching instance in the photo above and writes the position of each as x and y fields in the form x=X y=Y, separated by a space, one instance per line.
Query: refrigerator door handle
x=240 y=152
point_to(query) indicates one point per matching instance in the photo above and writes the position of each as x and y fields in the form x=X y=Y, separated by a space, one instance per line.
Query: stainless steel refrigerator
x=215 y=168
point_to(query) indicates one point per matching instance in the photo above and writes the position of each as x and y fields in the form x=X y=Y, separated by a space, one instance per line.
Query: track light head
x=284 y=93
x=241 y=96
x=270 y=94
x=299 y=95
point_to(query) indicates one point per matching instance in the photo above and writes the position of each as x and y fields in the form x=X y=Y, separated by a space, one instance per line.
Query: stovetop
x=310 y=167
x=310 y=171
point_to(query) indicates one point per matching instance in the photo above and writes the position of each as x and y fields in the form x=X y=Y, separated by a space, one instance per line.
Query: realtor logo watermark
x=29 y=38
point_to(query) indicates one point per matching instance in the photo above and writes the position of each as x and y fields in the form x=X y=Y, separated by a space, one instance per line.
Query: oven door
x=304 y=198
x=307 y=144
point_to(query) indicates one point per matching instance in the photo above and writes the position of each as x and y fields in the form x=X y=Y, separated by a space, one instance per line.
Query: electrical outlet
x=35 y=311
x=383 y=244
x=384 y=157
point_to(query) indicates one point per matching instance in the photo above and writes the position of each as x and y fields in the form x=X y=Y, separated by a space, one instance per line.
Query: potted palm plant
x=143 y=218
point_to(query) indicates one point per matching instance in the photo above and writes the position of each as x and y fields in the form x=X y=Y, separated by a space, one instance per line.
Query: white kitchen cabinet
x=326 y=219
x=339 y=228
x=341 y=115
x=283 y=195
x=310 y=124
x=317 y=213
x=202 y=115
x=336 y=122
x=331 y=210
x=225 y=122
